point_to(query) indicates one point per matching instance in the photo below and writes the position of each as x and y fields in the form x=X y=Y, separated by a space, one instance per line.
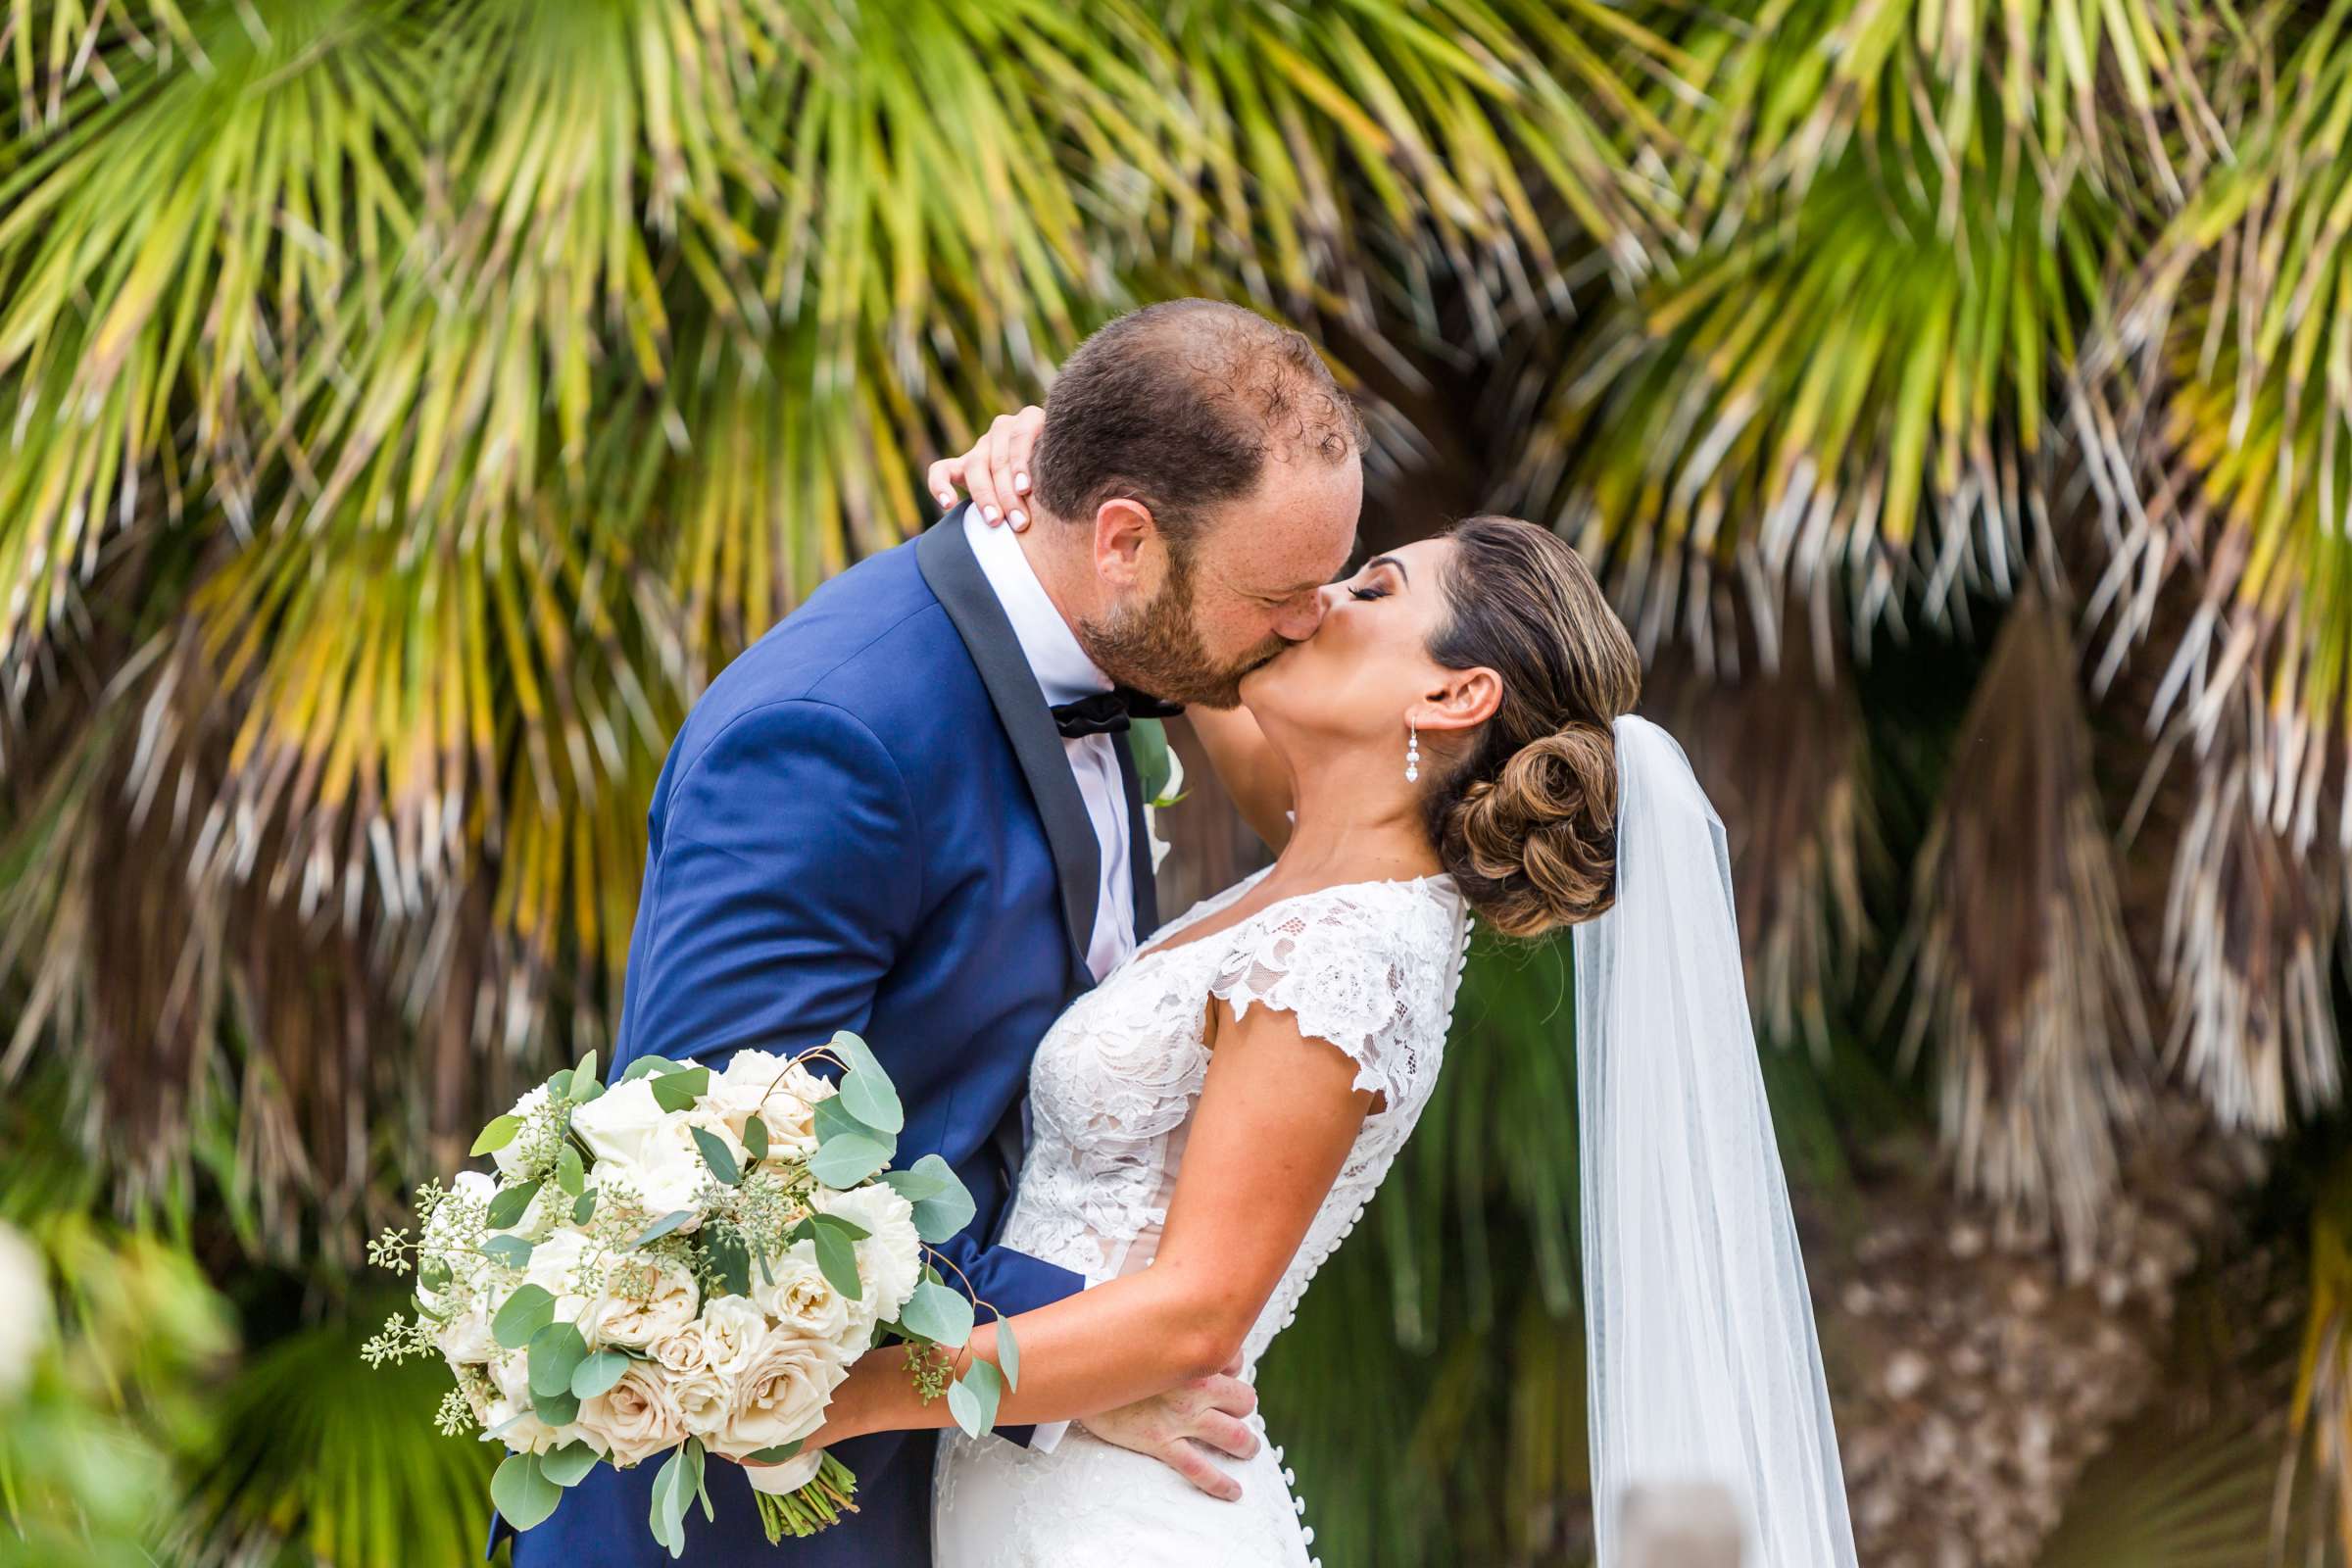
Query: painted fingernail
x=1020 y=482
x=1020 y=518
x=990 y=512
x=946 y=497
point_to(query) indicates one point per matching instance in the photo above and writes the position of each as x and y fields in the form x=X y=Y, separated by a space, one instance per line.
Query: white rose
x=889 y=1260
x=635 y=1418
x=466 y=1337
x=628 y=1315
x=511 y=1378
x=554 y=1267
x=734 y=1332
x=782 y=1091
x=25 y=1311
x=803 y=1301
x=639 y=1144
x=705 y=1402
x=509 y=1159
x=783 y=1396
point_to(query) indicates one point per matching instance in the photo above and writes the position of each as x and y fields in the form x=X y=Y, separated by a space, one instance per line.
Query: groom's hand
x=1178 y=1428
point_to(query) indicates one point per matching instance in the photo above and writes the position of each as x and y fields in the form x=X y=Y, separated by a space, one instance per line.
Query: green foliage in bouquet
x=687 y=1263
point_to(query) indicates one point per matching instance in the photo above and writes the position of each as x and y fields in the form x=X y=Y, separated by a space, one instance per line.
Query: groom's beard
x=1154 y=648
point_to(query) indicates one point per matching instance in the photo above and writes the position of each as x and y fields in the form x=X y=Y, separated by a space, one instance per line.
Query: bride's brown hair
x=1526 y=820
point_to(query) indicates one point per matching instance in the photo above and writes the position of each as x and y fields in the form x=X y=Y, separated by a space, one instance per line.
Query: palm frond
x=2016 y=961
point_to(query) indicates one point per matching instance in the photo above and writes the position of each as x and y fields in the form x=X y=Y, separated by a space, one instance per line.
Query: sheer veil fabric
x=1704 y=1365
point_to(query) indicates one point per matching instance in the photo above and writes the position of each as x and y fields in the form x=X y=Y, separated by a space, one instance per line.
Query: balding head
x=1181 y=406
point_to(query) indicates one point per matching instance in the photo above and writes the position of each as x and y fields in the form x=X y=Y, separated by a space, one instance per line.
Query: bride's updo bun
x=1525 y=822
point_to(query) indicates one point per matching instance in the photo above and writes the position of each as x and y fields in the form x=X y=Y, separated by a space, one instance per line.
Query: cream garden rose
x=635 y=1419
x=783 y=1394
x=798 y=1296
x=784 y=1092
x=509 y=1159
x=628 y=1315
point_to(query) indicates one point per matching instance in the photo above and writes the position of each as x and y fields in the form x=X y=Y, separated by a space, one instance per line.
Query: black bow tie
x=1108 y=713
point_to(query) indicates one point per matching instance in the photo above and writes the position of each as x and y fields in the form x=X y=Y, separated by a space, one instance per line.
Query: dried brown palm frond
x=2021 y=979
x=1781 y=747
x=2250 y=929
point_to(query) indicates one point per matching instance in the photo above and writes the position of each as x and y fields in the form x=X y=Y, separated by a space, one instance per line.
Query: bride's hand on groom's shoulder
x=1179 y=1429
x=995 y=471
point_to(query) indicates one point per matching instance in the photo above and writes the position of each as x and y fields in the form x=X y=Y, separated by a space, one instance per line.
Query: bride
x=1210 y=1121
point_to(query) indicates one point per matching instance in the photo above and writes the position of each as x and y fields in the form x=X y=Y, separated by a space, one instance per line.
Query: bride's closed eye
x=1368 y=593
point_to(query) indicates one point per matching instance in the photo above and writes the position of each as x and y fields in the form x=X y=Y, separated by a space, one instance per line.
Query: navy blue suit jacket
x=867 y=822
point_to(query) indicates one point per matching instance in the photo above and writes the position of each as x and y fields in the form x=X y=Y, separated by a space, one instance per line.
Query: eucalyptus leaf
x=938 y=1314
x=973 y=1398
x=837 y=1261
x=679 y=1090
x=833 y=1120
x=583 y=1075
x=512 y=1250
x=497 y=1136
x=647 y=1067
x=672 y=1491
x=559 y=1086
x=557 y=1409
x=662 y=1226
x=584 y=1207
x=523 y=1495
x=568 y=1465
x=599 y=1370
x=870 y=1098
x=849 y=1229
x=717 y=1156
x=570 y=1174
x=730 y=1259
x=778 y=1454
x=848 y=1159
x=556 y=1352
x=511 y=1204
x=755 y=1137
x=855 y=1053
x=927 y=1177
x=527 y=1311
x=945 y=1213
x=1008 y=1352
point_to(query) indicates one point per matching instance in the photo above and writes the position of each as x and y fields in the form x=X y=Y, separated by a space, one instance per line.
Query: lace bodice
x=1369 y=968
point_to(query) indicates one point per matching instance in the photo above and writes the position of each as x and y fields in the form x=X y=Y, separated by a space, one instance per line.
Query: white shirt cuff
x=1047 y=1436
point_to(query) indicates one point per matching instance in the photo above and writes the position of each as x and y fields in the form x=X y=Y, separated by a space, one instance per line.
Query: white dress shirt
x=1066 y=675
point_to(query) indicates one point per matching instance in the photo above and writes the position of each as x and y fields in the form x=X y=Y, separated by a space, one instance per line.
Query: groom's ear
x=1467 y=700
x=1123 y=532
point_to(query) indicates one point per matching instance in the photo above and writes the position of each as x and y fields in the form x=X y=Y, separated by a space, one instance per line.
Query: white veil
x=1704 y=1363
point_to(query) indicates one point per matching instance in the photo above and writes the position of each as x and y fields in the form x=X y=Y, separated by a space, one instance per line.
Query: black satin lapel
x=1139 y=846
x=948 y=566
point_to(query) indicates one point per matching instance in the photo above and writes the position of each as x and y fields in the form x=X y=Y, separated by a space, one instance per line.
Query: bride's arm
x=996 y=474
x=1275 y=1123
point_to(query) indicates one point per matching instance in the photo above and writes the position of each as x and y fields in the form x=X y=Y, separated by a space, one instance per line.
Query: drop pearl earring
x=1412 y=753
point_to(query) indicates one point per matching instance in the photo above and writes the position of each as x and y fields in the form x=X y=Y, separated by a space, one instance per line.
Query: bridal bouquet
x=686 y=1264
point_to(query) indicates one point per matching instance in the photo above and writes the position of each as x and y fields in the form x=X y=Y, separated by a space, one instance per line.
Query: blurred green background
x=409 y=407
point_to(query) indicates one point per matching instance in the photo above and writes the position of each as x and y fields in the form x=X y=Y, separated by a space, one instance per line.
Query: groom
x=909 y=810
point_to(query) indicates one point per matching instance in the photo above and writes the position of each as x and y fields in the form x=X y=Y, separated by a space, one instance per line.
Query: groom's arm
x=787 y=883
x=784 y=883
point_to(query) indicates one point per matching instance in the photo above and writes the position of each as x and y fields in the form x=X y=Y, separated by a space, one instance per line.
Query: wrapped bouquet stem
x=684 y=1264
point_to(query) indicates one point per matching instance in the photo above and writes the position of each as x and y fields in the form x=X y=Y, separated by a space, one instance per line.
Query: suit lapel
x=948 y=566
x=1138 y=845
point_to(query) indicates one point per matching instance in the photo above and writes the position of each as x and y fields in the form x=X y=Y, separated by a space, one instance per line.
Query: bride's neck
x=1354 y=827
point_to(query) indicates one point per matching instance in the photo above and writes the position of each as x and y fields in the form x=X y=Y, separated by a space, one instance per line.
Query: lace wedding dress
x=1370 y=968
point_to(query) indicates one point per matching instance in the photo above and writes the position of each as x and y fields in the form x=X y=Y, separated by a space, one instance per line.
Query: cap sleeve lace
x=1366 y=968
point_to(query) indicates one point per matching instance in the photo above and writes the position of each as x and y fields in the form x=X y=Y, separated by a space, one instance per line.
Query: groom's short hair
x=1180 y=405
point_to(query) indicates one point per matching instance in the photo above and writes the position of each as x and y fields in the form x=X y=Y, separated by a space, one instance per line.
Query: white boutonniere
x=1160 y=772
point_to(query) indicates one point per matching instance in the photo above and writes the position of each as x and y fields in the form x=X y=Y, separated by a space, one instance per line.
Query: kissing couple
x=912 y=811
